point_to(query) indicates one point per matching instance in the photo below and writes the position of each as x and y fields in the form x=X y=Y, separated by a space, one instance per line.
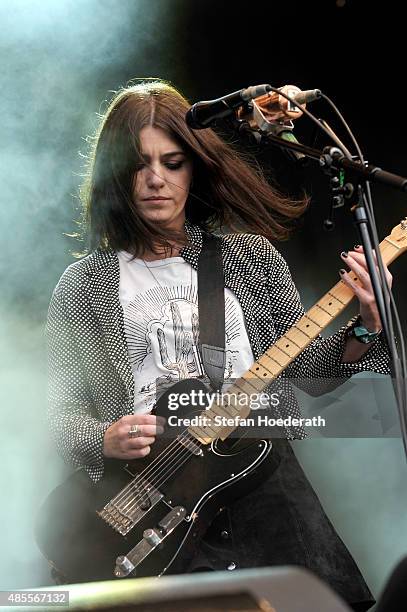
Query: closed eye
x=174 y=165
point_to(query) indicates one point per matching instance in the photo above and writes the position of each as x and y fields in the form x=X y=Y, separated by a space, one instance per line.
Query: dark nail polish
x=357 y=246
x=342 y=271
x=344 y=253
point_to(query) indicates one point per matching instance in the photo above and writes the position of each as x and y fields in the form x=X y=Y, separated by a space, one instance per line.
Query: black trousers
x=282 y=523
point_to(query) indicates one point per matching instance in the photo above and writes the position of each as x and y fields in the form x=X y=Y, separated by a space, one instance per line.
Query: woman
x=153 y=187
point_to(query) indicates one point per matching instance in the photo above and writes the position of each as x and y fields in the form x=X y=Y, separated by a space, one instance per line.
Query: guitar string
x=168 y=475
x=162 y=476
x=126 y=495
x=165 y=473
x=172 y=468
x=180 y=460
x=168 y=470
x=148 y=473
x=134 y=500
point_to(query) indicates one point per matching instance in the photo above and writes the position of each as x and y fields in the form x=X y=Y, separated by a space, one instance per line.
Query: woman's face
x=162 y=183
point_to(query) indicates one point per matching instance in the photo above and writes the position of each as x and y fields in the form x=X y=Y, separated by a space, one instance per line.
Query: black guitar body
x=163 y=505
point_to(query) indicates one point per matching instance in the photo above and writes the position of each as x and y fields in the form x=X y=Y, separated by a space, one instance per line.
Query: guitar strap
x=211 y=309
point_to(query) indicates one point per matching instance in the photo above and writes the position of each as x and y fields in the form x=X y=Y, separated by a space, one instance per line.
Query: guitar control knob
x=124 y=567
x=152 y=537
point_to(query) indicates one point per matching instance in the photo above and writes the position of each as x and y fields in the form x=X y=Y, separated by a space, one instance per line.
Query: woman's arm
x=82 y=437
x=370 y=318
x=76 y=430
x=324 y=359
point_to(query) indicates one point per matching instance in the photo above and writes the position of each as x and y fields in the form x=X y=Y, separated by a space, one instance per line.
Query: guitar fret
x=241 y=387
x=343 y=293
x=319 y=305
x=294 y=349
x=322 y=314
x=227 y=412
x=211 y=429
x=245 y=382
x=328 y=312
x=280 y=356
x=294 y=332
x=255 y=372
x=331 y=304
x=309 y=326
x=258 y=383
x=269 y=360
x=288 y=346
x=220 y=411
x=261 y=372
x=390 y=241
x=308 y=316
x=335 y=297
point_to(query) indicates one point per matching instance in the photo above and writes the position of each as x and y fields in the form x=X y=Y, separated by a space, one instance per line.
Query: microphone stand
x=370 y=173
x=331 y=160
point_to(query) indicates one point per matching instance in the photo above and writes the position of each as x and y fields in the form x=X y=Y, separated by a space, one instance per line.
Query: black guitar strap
x=211 y=309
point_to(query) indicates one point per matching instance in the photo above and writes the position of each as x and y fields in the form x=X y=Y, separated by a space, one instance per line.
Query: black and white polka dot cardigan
x=90 y=378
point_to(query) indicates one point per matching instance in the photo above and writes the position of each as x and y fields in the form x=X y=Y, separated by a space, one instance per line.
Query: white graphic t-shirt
x=160 y=305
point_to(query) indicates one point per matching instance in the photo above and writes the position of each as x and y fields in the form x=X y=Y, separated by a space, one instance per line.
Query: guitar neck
x=289 y=346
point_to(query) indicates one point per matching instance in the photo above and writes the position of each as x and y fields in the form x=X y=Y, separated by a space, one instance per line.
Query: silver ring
x=133 y=431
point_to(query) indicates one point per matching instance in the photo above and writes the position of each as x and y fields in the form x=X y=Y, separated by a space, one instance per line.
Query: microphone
x=202 y=114
x=272 y=113
x=276 y=108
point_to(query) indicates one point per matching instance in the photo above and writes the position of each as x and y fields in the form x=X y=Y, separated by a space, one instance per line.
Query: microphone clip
x=258 y=120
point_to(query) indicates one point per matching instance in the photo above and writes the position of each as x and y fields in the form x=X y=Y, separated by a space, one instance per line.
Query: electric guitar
x=145 y=517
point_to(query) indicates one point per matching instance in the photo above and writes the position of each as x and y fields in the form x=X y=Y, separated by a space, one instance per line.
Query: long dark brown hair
x=227 y=189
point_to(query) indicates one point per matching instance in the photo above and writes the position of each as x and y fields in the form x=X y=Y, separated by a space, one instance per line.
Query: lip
x=154 y=198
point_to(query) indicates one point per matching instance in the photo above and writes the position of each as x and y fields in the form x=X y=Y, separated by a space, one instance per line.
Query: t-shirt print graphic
x=162 y=332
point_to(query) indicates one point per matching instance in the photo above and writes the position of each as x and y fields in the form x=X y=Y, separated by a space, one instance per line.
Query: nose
x=154 y=179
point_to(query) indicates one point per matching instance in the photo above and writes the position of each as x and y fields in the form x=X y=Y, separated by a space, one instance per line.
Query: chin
x=165 y=220
x=159 y=219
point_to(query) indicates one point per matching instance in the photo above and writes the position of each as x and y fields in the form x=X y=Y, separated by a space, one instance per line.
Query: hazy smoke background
x=59 y=62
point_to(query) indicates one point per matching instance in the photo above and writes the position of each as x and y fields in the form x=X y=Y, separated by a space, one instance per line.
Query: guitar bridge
x=129 y=506
x=152 y=538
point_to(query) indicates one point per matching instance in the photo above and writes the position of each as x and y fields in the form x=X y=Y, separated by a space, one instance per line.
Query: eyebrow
x=167 y=155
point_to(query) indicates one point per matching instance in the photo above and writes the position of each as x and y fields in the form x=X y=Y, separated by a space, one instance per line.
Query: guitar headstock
x=399 y=234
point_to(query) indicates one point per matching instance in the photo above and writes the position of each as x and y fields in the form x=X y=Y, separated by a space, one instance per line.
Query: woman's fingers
x=132 y=436
x=356 y=262
x=147 y=424
x=361 y=293
x=138 y=453
x=358 y=279
x=139 y=442
x=357 y=255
